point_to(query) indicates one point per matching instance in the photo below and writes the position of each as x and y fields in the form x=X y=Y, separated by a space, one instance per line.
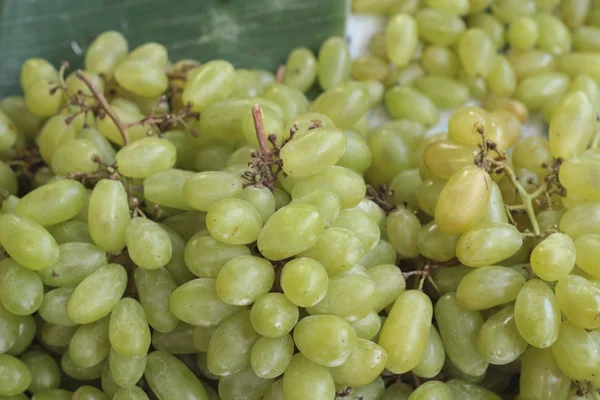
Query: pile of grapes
x=185 y=230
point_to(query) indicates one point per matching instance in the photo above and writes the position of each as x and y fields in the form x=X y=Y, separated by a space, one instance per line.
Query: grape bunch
x=192 y=230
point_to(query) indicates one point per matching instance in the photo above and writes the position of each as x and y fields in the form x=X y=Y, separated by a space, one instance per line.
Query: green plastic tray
x=249 y=33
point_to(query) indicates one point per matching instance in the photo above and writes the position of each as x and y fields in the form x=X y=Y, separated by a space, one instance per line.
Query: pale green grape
x=75 y=156
x=243 y=384
x=8 y=179
x=154 y=289
x=389 y=280
x=579 y=175
x=459 y=328
x=440 y=61
x=576 y=352
x=126 y=371
x=24 y=120
x=34 y=69
x=108 y=215
x=404 y=333
x=405 y=75
x=523 y=33
x=262 y=199
x=55 y=132
x=398 y=391
x=201 y=337
x=76 y=261
x=8 y=132
x=313 y=152
x=369 y=68
x=487 y=287
x=537 y=89
x=97 y=294
x=273 y=315
x=537 y=314
x=106 y=151
x=574 y=113
x=205 y=255
x=301 y=69
x=463 y=124
x=390 y=151
x=275 y=392
x=108 y=384
x=243 y=279
x=291 y=101
x=169 y=378
x=45 y=373
x=492 y=26
x=579 y=301
x=499 y=341
x=213 y=157
x=541 y=378
x=230 y=346
x=402 y=38
x=333 y=62
x=476 y=52
x=152 y=52
x=346 y=184
x=270 y=357
x=90 y=393
x=132 y=393
x=305 y=379
x=166 y=188
x=586 y=250
x=148 y=244
x=143 y=78
x=408 y=103
x=54 y=307
x=234 y=221
x=17 y=332
x=345 y=104
x=403 y=229
x=554 y=35
x=443 y=158
x=405 y=186
x=179 y=341
x=27 y=242
x=433 y=358
x=581 y=220
x=106 y=51
x=372 y=210
x=432 y=390
x=325 y=339
x=145 y=157
x=368 y=326
x=327 y=202
x=21 y=289
x=462 y=389
x=554 y=257
x=89 y=345
x=359 y=223
x=43 y=98
x=363 y=365
x=502 y=80
x=436 y=244
x=438 y=26
x=444 y=92
x=196 y=302
x=80 y=373
x=428 y=194
x=487 y=244
x=304 y=281
x=128 y=330
x=205 y=189
x=53 y=394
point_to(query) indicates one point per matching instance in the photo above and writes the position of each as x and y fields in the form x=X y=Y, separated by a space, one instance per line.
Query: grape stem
x=526 y=198
x=259 y=125
x=280 y=76
x=105 y=106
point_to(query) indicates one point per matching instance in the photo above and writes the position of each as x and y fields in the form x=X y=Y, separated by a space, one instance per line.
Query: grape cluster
x=196 y=231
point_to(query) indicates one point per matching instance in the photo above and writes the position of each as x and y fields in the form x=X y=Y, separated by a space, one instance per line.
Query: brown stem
x=263 y=142
x=280 y=76
x=105 y=106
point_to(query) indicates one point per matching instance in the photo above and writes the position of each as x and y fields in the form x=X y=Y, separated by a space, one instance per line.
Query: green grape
x=537 y=314
x=586 y=249
x=106 y=151
x=54 y=202
x=443 y=158
x=336 y=302
x=433 y=358
x=201 y=337
x=432 y=390
x=178 y=341
x=34 y=69
x=359 y=223
x=208 y=84
x=26 y=123
x=108 y=215
x=243 y=384
x=106 y=51
x=53 y=394
x=75 y=156
x=242 y=280
x=370 y=6
x=344 y=104
x=363 y=365
x=576 y=352
x=403 y=229
x=15 y=377
x=436 y=244
x=357 y=156
x=234 y=221
x=383 y=253
x=554 y=35
x=405 y=186
x=205 y=255
x=499 y=341
x=346 y=184
x=186 y=152
x=313 y=152
x=502 y=80
x=202 y=364
x=196 y=302
x=17 y=332
x=402 y=38
x=487 y=244
x=531 y=62
x=496 y=211
x=371 y=391
x=78 y=86
x=143 y=78
x=448 y=279
x=579 y=175
x=291 y=101
x=21 y=289
x=487 y=287
x=152 y=52
x=301 y=69
x=325 y=339
x=390 y=154
x=305 y=379
x=573 y=113
x=459 y=328
x=89 y=393
x=404 y=76
x=27 y=242
x=438 y=26
x=579 y=301
x=428 y=195
x=472 y=182
x=273 y=124
x=270 y=357
x=304 y=282
x=523 y=33
x=531 y=153
x=8 y=179
x=126 y=115
x=261 y=199
x=8 y=132
x=585 y=38
x=89 y=345
x=509 y=10
x=43 y=98
x=368 y=326
x=56 y=131
x=145 y=157
x=230 y=346
x=75 y=262
x=97 y=294
x=126 y=371
x=154 y=288
x=132 y=393
x=45 y=373
x=273 y=315
x=538 y=89
x=444 y=92
x=405 y=342
x=476 y=52
x=128 y=330
x=108 y=384
x=369 y=68
x=477 y=86
x=389 y=280
x=148 y=244
x=169 y=378
x=333 y=62
x=408 y=103
x=166 y=188
x=397 y=391
x=587 y=85
x=275 y=391
x=205 y=189
x=462 y=389
x=290 y=231
x=554 y=257
x=440 y=61
x=492 y=26
x=541 y=378
x=581 y=220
